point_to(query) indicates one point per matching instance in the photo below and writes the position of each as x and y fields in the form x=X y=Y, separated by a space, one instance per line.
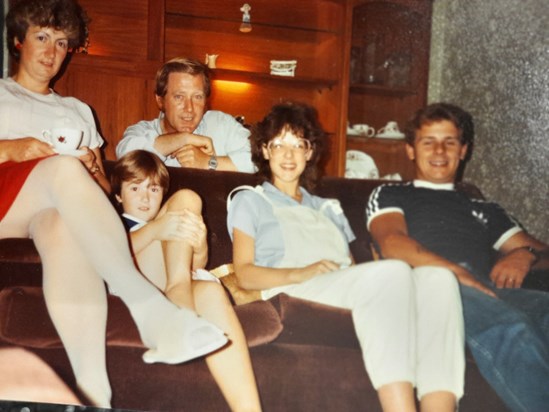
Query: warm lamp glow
x=232 y=86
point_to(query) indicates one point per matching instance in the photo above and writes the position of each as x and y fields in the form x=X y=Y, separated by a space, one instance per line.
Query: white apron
x=309 y=235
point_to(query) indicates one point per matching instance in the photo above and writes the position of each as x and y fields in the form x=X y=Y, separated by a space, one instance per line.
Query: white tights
x=81 y=241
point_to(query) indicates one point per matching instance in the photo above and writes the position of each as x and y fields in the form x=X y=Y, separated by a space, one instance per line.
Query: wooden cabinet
x=389 y=63
x=132 y=38
x=341 y=48
x=389 y=155
x=313 y=32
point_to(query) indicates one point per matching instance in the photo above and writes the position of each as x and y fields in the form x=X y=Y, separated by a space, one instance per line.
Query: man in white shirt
x=186 y=134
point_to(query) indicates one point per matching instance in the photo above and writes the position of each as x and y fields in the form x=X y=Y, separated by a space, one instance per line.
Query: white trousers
x=409 y=322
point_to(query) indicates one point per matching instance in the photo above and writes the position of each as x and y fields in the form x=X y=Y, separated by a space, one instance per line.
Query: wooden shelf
x=303 y=14
x=248 y=76
x=221 y=24
x=382 y=90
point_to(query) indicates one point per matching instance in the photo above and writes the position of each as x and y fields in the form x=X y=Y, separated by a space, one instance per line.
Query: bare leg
x=231 y=367
x=397 y=397
x=62 y=183
x=76 y=303
x=178 y=256
x=25 y=377
x=438 y=402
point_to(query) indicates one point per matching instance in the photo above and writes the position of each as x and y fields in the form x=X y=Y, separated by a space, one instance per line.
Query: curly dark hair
x=442 y=111
x=302 y=120
x=63 y=15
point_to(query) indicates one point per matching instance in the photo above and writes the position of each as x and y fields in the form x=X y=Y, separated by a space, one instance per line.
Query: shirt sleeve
x=383 y=199
x=91 y=136
x=243 y=213
x=501 y=226
x=230 y=139
x=140 y=136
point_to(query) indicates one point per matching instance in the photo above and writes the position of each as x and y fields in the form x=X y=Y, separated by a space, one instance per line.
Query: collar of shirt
x=435 y=186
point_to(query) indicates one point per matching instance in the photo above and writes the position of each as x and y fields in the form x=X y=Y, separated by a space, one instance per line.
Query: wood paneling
x=108 y=96
x=131 y=39
x=118 y=28
x=311 y=14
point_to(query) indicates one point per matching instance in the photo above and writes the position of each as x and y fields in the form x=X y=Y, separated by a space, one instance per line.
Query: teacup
x=364 y=130
x=64 y=140
x=390 y=129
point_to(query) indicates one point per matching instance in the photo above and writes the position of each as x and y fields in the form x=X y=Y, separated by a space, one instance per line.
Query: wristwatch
x=533 y=252
x=212 y=163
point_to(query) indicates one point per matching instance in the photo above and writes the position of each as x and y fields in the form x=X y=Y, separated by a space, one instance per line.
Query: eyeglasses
x=278 y=147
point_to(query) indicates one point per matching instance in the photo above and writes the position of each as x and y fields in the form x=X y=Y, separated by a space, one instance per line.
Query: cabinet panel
x=312 y=14
x=118 y=28
x=389 y=60
x=389 y=68
x=116 y=100
x=313 y=32
x=315 y=52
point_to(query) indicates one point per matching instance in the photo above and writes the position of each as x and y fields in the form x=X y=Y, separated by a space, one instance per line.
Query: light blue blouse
x=253 y=215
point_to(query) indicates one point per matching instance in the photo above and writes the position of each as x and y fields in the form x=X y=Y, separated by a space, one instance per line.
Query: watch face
x=212 y=163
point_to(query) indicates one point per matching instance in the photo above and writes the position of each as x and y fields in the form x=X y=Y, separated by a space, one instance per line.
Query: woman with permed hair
x=55 y=201
x=286 y=240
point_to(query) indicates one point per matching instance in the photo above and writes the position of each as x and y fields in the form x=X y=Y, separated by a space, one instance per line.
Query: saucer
x=390 y=135
x=73 y=152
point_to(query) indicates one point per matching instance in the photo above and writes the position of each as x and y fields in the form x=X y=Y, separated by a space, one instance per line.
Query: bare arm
x=26 y=148
x=93 y=162
x=391 y=234
x=170 y=143
x=191 y=156
x=511 y=269
x=253 y=277
x=183 y=226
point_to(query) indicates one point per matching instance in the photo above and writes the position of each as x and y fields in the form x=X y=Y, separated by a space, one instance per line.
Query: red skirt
x=12 y=177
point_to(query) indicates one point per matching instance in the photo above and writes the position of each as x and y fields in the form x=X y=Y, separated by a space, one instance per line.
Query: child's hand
x=181 y=225
x=169 y=226
x=195 y=230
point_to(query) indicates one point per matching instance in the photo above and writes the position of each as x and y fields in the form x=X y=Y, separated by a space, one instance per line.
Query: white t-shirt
x=27 y=114
x=229 y=138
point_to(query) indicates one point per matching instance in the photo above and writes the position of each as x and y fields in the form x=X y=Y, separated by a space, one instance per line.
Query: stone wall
x=491 y=57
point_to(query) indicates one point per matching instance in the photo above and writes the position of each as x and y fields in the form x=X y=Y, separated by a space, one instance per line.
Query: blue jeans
x=509 y=339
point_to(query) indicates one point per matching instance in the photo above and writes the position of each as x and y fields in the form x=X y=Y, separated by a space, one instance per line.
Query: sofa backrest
x=214 y=187
x=20 y=263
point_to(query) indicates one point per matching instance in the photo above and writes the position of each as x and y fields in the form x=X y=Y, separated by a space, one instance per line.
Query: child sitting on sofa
x=170 y=247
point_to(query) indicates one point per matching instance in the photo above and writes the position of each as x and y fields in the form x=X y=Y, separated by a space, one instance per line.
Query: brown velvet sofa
x=305 y=355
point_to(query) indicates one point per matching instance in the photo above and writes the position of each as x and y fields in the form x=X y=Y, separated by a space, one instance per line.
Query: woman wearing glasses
x=408 y=321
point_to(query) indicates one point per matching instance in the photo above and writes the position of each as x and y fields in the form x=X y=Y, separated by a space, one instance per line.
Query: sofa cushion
x=311 y=323
x=24 y=321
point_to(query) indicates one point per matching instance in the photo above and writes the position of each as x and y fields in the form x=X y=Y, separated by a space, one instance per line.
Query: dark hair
x=137 y=166
x=63 y=15
x=442 y=111
x=181 y=65
x=302 y=120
